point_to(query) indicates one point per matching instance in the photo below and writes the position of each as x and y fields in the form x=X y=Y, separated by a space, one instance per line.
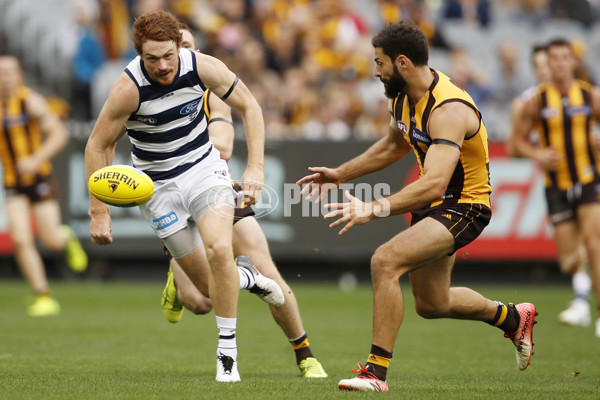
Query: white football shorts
x=177 y=200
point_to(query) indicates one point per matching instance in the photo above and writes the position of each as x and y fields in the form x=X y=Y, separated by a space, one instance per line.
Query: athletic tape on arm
x=226 y=95
x=446 y=142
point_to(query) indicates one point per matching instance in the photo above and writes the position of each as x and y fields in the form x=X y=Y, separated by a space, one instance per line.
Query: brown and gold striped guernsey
x=20 y=136
x=565 y=124
x=470 y=182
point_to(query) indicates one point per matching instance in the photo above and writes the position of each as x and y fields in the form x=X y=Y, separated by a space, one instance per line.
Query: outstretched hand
x=354 y=212
x=320 y=182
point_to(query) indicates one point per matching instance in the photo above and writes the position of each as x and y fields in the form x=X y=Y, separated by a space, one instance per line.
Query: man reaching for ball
x=248 y=240
x=159 y=99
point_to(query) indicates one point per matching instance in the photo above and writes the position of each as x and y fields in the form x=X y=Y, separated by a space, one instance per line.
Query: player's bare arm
x=448 y=127
x=516 y=108
x=121 y=102
x=596 y=117
x=222 y=82
x=383 y=153
x=54 y=131
x=547 y=158
x=220 y=128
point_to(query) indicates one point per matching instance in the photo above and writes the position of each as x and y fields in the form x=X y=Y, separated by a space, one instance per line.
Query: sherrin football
x=121 y=186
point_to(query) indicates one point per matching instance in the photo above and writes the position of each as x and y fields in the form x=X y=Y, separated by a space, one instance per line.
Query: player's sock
x=378 y=362
x=507 y=318
x=301 y=348
x=246 y=278
x=582 y=286
x=227 y=343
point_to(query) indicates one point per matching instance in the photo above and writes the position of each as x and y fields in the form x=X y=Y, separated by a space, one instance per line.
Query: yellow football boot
x=75 y=256
x=311 y=368
x=43 y=306
x=171 y=306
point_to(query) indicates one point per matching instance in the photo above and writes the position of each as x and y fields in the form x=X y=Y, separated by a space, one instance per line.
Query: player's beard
x=394 y=84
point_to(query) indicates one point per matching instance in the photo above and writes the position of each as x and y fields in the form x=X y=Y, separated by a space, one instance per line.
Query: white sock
x=582 y=285
x=246 y=278
x=227 y=343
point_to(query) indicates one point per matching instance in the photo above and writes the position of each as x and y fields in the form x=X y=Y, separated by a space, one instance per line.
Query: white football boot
x=578 y=314
x=265 y=288
x=227 y=369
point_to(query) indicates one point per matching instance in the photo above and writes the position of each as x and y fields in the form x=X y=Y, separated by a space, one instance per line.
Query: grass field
x=111 y=341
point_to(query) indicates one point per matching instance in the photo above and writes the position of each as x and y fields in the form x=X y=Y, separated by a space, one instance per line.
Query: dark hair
x=184 y=27
x=558 y=42
x=538 y=48
x=159 y=26
x=403 y=38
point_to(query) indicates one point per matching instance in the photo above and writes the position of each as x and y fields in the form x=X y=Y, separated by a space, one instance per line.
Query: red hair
x=159 y=26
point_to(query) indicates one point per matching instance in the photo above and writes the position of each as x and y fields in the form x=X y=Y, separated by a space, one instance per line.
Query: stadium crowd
x=309 y=62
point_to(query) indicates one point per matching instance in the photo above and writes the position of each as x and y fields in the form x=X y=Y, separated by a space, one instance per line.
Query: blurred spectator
x=114 y=28
x=509 y=80
x=468 y=77
x=329 y=119
x=419 y=14
x=471 y=11
x=374 y=122
x=581 y=71
x=576 y=10
x=88 y=57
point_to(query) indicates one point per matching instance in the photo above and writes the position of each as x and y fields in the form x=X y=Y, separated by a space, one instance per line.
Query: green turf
x=111 y=341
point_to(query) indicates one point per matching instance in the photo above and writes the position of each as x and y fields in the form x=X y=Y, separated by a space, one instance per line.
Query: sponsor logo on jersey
x=221 y=172
x=583 y=110
x=189 y=107
x=145 y=119
x=165 y=221
x=448 y=216
x=419 y=136
x=167 y=95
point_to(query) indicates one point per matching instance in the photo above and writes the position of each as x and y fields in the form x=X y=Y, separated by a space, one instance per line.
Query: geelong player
x=159 y=100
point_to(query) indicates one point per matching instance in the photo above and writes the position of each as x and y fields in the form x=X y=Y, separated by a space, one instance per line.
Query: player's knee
x=53 y=243
x=591 y=241
x=429 y=310
x=569 y=264
x=384 y=264
x=199 y=306
x=219 y=250
x=22 y=242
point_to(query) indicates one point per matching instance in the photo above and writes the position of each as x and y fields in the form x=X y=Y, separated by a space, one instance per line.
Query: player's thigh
x=215 y=226
x=47 y=215
x=18 y=213
x=588 y=216
x=427 y=240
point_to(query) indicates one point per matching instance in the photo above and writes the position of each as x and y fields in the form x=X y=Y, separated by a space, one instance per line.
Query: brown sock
x=301 y=348
x=378 y=362
x=507 y=318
